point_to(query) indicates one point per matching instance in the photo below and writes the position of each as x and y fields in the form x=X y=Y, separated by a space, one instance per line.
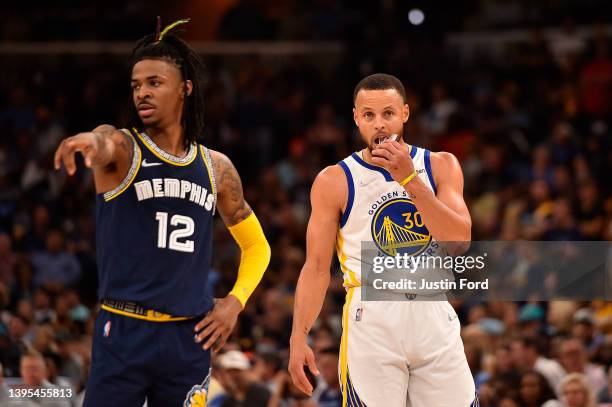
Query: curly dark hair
x=169 y=47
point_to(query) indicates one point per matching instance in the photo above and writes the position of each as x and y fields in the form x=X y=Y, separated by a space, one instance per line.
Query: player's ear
x=188 y=87
x=355 y=117
x=405 y=112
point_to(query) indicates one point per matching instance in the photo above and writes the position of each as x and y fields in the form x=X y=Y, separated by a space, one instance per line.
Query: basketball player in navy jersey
x=157 y=191
x=402 y=199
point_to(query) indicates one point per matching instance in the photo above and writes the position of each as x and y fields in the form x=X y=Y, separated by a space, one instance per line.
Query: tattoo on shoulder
x=126 y=144
x=232 y=206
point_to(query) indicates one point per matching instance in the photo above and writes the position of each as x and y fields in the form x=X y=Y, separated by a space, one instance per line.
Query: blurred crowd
x=38 y=20
x=532 y=131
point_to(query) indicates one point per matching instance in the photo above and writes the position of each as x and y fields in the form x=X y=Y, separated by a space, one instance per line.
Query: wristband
x=408 y=178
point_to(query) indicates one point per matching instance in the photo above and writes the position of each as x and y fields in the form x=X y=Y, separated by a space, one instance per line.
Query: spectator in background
x=583 y=328
x=442 y=107
x=267 y=366
x=23 y=287
x=43 y=312
x=527 y=356
x=589 y=211
x=55 y=267
x=20 y=330
x=53 y=363
x=576 y=392
x=288 y=395
x=34 y=375
x=536 y=392
x=75 y=356
x=574 y=359
x=328 y=393
x=36 y=234
x=562 y=223
x=241 y=387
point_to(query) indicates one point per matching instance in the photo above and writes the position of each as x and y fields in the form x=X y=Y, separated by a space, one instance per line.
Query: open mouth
x=378 y=140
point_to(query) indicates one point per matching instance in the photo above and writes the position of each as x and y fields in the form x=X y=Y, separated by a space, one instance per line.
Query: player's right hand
x=300 y=355
x=84 y=143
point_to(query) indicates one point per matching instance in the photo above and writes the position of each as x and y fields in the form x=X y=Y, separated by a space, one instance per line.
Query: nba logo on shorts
x=358 y=314
x=107 y=327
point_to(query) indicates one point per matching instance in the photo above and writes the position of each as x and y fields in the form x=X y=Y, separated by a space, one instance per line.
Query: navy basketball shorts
x=134 y=360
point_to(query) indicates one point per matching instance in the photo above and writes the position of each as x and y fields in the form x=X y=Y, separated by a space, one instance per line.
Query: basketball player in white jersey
x=393 y=353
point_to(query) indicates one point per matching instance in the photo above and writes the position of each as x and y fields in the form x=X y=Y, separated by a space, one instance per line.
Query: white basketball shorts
x=403 y=353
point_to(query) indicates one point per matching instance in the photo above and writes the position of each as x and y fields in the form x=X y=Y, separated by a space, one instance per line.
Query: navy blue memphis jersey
x=154 y=231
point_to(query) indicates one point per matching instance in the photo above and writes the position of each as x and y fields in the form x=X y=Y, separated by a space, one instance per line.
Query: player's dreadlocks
x=171 y=48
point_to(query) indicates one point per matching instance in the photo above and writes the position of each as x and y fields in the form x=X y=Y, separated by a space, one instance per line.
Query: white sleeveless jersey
x=380 y=215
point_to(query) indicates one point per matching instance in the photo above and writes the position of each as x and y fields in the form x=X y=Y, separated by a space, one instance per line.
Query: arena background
x=521 y=93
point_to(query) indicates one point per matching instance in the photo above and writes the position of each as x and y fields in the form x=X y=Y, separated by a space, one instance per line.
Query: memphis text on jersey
x=174 y=188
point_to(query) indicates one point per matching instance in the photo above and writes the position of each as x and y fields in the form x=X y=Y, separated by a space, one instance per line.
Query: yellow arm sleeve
x=254 y=258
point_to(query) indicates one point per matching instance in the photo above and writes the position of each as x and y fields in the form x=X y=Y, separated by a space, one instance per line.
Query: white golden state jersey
x=380 y=211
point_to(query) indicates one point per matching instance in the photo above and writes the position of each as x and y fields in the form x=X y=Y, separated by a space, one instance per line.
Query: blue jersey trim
x=384 y=172
x=351 y=193
x=429 y=173
x=413 y=151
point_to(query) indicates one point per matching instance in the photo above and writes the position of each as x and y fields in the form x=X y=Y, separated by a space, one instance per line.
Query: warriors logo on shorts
x=398 y=228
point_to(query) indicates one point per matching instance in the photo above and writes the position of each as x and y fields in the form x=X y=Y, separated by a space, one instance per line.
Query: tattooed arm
x=106 y=150
x=230 y=198
x=216 y=327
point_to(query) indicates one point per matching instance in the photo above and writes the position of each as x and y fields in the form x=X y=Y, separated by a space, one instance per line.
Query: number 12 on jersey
x=187 y=229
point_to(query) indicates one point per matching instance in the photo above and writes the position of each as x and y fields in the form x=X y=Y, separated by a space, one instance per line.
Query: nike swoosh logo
x=146 y=164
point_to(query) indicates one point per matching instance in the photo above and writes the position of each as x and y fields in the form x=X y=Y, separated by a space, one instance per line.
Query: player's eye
x=389 y=113
x=135 y=87
x=368 y=115
x=155 y=83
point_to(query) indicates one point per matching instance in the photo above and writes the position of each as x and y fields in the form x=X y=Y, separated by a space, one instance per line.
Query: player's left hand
x=218 y=323
x=393 y=157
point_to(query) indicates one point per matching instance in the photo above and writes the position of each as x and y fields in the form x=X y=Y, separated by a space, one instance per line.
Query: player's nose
x=378 y=123
x=142 y=93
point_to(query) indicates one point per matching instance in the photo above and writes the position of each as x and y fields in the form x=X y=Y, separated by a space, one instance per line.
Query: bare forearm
x=105 y=147
x=443 y=223
x=309 y=296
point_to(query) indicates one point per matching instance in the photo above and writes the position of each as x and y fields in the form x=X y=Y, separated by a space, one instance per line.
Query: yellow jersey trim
x=150 y=315
x=131 y=175
x=344 y=345
x=350 y=278
x=167 y=157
